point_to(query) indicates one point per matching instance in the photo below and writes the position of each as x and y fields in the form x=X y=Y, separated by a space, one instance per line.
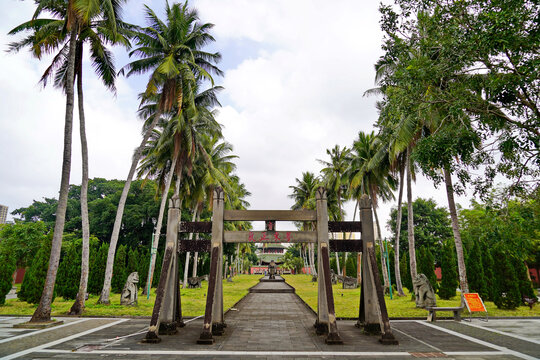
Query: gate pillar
x=326 y=315
x=373 y=315
x=167 y=312
x=213 y=316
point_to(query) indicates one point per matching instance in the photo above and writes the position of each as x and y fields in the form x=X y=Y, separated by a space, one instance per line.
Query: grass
x=347 y=301
x=193 y=301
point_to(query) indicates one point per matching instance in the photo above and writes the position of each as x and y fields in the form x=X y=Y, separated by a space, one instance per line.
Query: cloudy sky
x=295 y=72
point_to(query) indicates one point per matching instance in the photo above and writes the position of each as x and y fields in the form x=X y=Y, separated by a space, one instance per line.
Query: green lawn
x=346 y=301
x=193 y=301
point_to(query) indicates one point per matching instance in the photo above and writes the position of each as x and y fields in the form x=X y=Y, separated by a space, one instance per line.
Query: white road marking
x=478 y=341
x=503 y=333
x=56 y=342
x=34 y=332
x=231 y=353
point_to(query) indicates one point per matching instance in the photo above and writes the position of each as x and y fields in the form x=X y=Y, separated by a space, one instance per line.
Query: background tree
x=34 y=279
x=449 y=280
x=120 y=274
x=69 y=270
x=6 y=274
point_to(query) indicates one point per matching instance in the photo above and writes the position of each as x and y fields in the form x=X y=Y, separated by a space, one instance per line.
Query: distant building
x=3 y=213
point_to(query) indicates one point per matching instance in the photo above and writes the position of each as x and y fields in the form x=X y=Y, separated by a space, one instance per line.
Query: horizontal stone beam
x=195 y=227
x=262 y=215
x=346 y=245
x=270 y=236
x=345 y=226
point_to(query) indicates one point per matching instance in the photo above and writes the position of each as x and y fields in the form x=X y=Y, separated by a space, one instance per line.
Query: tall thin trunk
x=384 y=268
x=410 y=224
x=337 y=263
x=43 y=311
x=354 y=217
x=196 y=255
x=237 y=260
x=106 y=291
x=157 y=230
x=78 y=306
x=186 y=264
x=457 y=235
x=398 y=233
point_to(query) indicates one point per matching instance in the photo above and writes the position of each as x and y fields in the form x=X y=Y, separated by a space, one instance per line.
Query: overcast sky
x=295 y=72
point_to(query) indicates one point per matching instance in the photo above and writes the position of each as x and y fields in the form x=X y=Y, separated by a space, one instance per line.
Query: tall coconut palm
x=72 y=25
x=172 y=51
x=377 y=182
x=303 y=194
x=333 y=177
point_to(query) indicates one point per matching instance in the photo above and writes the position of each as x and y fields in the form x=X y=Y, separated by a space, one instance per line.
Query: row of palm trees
x=376 y=166
x=182 y=142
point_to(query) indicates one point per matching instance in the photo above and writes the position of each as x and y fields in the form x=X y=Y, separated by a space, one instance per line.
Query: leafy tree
x=133 y=260
x=477 y=280
x=98 y=259
x=449 y=281
x=6 y=274
x=431 y=223
x=34 y=279
x=488 y=264
x=120 y=274
x=22 y=240
x=525 y=285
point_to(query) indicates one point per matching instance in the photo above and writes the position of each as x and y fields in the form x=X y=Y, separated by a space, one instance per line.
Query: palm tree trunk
x=43 y=311
x=398 y=233
x=457 y=235
x=105 y=292
x=337 y=263
x=186 y=264
x=410 y=224
x=157 y=231
x=384 y=268
x=78 y=306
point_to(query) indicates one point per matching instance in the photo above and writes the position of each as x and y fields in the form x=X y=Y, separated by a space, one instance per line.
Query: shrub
x=6 y=275
x=426 y=266
x=98 y=262
x=449 y=281
x=34 y=279
x=69 y=271
x=120 y=270
x=507 y=294
x=475 y=271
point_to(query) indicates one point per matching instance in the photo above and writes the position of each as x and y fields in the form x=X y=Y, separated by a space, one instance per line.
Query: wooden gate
x=167 y=313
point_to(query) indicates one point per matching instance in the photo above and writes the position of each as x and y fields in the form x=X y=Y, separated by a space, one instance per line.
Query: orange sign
x=474 y=302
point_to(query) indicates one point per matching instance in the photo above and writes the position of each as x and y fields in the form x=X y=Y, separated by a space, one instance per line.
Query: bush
x=426 y=266
x=34 y=279
x=69 y=271
x=6 y=275
x=405 y=270
x=351 y=265
x=488 y=265
x=98 y=262
x=525 y=285
x=475 y=271
x=120 y=270
x=449 y=281
x=507 y=294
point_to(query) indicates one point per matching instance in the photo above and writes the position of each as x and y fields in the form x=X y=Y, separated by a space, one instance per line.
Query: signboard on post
x=474 y=303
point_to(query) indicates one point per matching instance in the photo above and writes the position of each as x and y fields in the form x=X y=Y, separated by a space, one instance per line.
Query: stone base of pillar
x=168 y=328
x=388 y=339
x=369 y=329
x=320 y=328
x=205 y=338
x=218 y=328
x=151 y=338
x=333 y=339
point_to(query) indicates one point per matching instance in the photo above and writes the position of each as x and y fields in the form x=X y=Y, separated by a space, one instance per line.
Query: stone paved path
x=272 y=324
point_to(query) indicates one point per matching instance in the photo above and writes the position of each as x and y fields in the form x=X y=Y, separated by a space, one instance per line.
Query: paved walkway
x=272 y=325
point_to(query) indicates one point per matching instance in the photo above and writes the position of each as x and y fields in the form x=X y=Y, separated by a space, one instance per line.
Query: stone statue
x=195 y=282
x=423 y=291
x=350 y=282
x=129 y=294
x=272 y=270
x=333 y=277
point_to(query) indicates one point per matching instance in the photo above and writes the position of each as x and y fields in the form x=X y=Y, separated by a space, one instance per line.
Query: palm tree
x=303 y=194
x=98 y=23
x=333 y=175
x=377 y=182
x=171 y=51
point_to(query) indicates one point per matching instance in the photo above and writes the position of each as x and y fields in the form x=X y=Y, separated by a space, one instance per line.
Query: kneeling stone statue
x=423 y=291
x=129 y=294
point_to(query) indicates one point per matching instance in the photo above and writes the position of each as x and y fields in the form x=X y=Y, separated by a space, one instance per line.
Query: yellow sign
x=474 y=302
